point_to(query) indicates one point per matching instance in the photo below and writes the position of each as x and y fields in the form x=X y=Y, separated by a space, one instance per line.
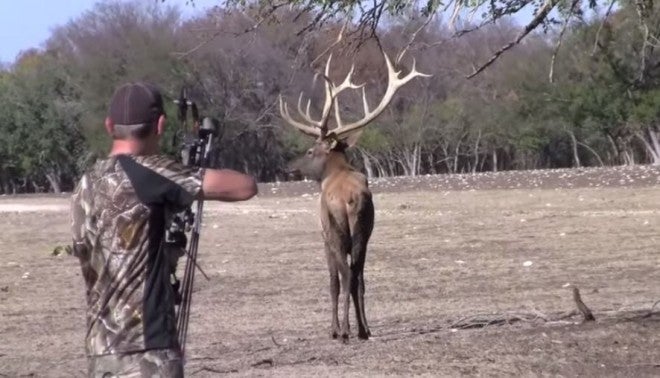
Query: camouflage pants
x=160 y=363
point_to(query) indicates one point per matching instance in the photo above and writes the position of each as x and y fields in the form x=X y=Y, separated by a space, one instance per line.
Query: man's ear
x=161 y=125
x=109 y=126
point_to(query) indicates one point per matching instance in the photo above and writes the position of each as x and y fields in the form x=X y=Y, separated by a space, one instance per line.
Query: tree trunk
x=390 y=165
x=476 y=153
x=600 y=161
x=381 y=169
x=615 y=149
x=447 y=159
x=458 y=148
x=574 y=145
x=628 y=157
x=367 y=164
x=494 y=159
x=431 y=164
x=54 y=181
x=653 y=135
x=652 y=146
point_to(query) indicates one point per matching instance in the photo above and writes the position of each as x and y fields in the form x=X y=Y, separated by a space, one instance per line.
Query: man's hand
x=228 y=185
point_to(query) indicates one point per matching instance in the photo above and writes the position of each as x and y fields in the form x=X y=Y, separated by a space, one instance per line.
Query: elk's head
x=333 y=143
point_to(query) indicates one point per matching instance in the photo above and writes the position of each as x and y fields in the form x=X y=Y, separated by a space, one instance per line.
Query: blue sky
x=28 y=23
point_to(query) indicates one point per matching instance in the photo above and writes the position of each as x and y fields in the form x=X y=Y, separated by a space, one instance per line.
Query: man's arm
x=78 y=215
x=227 y=185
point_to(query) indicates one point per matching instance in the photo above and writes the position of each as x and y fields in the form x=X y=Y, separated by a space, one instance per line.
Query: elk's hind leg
x=362 y=227
x=334 y=291
x=337 y=246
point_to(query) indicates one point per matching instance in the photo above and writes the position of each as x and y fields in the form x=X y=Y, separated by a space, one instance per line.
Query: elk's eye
x=309 y=152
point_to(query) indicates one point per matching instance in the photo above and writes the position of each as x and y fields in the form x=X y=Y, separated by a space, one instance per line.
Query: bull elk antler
x=319 y=128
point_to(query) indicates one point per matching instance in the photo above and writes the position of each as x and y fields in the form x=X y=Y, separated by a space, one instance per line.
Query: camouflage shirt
x=120 y=210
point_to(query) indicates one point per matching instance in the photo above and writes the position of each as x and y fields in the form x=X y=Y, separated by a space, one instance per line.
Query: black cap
x=135 y=103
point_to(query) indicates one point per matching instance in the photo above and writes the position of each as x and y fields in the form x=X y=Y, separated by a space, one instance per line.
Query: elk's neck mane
x=337 y=162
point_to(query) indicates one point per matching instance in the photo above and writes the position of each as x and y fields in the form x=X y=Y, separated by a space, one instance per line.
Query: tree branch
x=600 y=28
x=536 y=21
x=642 y=12
x=340 y=36
x=561 y=37
x=216 y=34
x=412 y=38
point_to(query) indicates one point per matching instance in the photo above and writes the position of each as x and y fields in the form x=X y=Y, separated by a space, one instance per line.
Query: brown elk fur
x=346 y=207
x=347 y=218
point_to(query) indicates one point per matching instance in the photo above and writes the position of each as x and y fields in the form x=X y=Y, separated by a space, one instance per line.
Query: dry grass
x=436 y=258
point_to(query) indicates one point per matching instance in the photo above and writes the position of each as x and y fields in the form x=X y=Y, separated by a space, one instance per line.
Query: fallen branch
x=533 y=317
x=485 y=320
x=650 y=313
x=212 y=370
x=586 y=312
x=266 y=361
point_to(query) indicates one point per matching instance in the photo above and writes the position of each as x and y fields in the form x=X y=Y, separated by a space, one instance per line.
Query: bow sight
x=196 y=149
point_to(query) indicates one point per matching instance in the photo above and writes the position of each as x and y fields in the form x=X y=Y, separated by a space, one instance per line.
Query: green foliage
x=374 y=139
x=599 y=108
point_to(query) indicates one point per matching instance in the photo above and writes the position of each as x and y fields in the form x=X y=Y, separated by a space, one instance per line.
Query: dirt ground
x=448 y=254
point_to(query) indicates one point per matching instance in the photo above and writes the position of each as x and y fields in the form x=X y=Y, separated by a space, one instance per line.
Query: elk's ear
x=351 y=139
x=332 y=144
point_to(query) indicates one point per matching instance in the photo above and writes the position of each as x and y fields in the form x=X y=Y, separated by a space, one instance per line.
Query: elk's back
x=344 y=197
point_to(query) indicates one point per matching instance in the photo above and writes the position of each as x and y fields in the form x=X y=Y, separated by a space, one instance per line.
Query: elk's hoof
x=344 y=338
x=364 y=335
x=334 y=333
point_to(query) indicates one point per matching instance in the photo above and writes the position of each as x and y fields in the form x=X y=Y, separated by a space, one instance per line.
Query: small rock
x=528 y=263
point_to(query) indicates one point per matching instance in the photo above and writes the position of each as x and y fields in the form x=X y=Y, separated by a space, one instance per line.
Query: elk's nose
x=293 y=171
x=294 y=174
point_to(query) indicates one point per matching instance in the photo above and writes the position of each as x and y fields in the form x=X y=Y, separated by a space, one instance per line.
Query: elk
x=346 y=207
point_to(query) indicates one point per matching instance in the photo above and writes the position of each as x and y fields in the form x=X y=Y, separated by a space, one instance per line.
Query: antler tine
x=323 y=124
x=413 y=73
x=340 y=124
x=319 y=128
x=364 y=101
x=346 y=84
x=306 y=115
x=308 y=130
x=394 y=83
